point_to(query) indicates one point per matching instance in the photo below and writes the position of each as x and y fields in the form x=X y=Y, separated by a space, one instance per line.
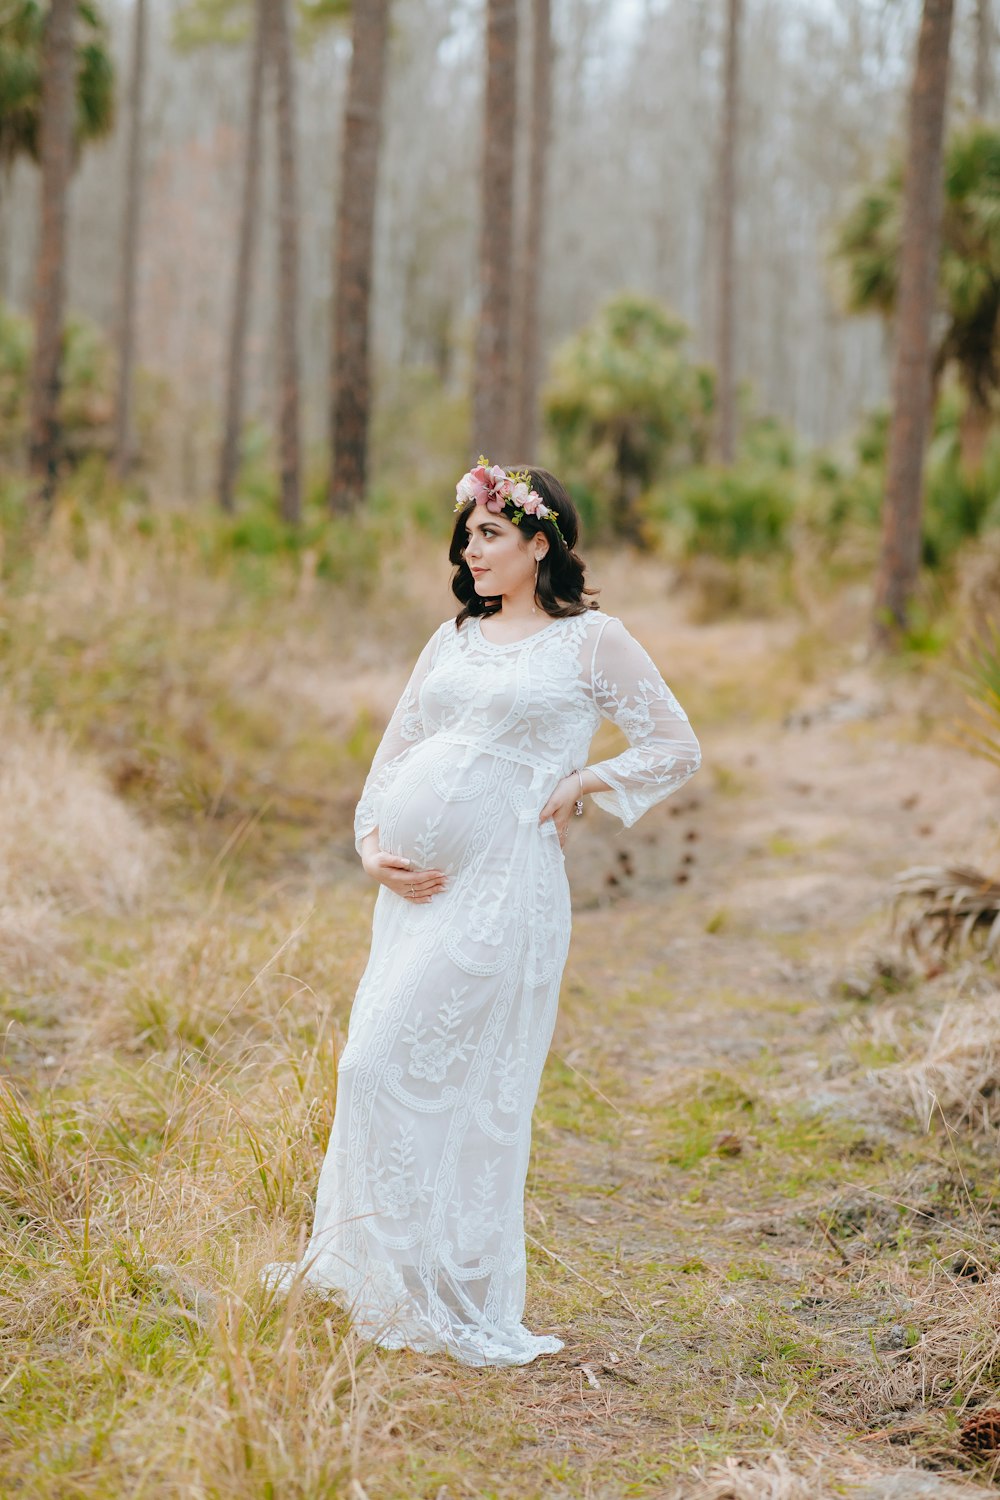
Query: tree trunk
x=6 y=230
x=288 y=264
x=125 y=445
x=899 y=562
x=350 y=376
x=236 y=355
x=56 y=160
x=983 y=76
x=725 y=335
x=527 y=343
x=491 y=363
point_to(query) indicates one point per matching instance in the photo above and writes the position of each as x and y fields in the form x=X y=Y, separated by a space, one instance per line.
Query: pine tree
x=351 y=374
x=899 y=561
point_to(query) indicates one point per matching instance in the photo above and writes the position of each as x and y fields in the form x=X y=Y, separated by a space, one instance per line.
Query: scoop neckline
x=509 y=645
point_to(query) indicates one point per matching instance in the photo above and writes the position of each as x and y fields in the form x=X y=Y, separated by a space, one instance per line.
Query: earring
x=534 y=596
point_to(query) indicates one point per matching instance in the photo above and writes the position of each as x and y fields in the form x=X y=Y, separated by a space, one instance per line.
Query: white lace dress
x=419 y=1215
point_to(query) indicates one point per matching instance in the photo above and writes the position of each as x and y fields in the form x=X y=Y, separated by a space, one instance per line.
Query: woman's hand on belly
x=401 y=876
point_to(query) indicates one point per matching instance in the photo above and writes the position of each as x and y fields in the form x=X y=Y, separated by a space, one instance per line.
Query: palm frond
x=981 y=677
x=869 y=239
x=955 y=905
x=22 y=27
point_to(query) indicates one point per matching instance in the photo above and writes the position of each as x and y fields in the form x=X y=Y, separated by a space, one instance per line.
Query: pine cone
x=981 y=1433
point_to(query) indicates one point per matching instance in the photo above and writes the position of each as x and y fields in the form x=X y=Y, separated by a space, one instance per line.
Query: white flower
x=431 y=1060
x=395 y=1197
x=636 y=722
x=485 y=926
x=474 y=1230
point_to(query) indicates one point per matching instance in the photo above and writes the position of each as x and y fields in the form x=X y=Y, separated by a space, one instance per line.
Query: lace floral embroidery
x=431 y=1057
x=396 y=1186
x=508 y=1071
x=478 y=1221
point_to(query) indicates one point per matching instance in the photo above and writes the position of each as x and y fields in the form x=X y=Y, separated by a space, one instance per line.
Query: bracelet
x=578 y=804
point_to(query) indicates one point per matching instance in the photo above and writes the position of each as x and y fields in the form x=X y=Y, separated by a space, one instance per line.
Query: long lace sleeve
x=663 y=751
x=404 y=729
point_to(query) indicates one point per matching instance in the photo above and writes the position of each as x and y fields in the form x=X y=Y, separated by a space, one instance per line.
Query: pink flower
x=473 y=486
x=490 y=485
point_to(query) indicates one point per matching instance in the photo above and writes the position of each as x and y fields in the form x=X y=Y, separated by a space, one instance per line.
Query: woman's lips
x=476 y=571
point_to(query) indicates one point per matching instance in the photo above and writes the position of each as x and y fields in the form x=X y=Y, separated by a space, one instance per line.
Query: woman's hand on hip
x=399 y=875
x=561 y=804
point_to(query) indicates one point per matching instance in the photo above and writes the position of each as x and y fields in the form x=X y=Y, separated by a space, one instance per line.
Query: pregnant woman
x=419 y=1225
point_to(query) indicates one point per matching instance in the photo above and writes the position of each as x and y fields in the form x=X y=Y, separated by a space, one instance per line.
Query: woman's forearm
x=592 y=782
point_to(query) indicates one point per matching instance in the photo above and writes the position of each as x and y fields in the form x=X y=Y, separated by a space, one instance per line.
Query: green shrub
x=839 y=508
x=841 y=498
x=959 y=504
x=420 y=450
x=625 y=407
x=15 y=369
x=342 y=549
x=730 y=513
x=86 y=400
x=765 y=441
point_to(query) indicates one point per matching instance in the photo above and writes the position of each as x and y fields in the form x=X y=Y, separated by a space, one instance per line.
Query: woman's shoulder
x=450 y=627
x=598 y=619
x=449 y=631
x=611 y=635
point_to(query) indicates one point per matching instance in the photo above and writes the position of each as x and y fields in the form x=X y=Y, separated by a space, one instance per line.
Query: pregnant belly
x=432 y=806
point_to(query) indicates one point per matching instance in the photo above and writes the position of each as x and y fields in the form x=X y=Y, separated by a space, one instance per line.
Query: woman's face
x=499 y=557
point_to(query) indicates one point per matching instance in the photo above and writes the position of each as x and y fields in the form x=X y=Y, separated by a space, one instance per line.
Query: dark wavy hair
x=561 y=588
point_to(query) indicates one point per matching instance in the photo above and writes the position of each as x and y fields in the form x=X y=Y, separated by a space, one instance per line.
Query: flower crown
x=496 y=488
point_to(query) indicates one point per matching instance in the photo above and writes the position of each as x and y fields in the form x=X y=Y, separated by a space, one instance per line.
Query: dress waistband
x=505 y=752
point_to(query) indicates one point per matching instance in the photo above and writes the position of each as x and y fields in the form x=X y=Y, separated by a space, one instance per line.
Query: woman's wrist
x=585 y=781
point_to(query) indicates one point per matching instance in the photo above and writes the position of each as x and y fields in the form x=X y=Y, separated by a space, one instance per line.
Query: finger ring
x=413 y=890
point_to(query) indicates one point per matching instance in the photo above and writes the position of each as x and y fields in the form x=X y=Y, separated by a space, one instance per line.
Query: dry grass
x=68 y=846
x=952 y=1065
x=742 y=1479
x=183 y=929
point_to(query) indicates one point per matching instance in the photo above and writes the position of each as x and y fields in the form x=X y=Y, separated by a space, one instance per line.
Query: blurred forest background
x=271 y=275
x=669 y=266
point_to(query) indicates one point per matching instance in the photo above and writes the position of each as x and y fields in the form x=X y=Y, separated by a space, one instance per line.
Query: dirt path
x=732 y=1211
